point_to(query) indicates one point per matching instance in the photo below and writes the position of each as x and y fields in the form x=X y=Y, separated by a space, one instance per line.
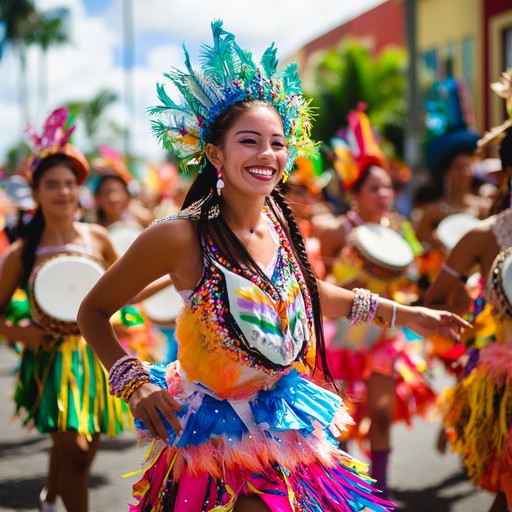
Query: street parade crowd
x=265 y=301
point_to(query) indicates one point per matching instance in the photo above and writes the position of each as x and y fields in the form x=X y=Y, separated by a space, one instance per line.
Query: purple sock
x=379 y=470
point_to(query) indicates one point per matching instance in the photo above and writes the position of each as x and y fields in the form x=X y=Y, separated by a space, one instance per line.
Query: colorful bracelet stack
x=364 y=307
x=126 y=376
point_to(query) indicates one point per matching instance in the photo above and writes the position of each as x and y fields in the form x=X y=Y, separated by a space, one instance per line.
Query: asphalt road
x=422 y=479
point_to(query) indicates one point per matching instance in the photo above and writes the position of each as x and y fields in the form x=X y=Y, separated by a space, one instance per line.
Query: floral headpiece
x=356 y=149
x=228 y=75
x=111 y=163
x=54 y=139
x=503 y=88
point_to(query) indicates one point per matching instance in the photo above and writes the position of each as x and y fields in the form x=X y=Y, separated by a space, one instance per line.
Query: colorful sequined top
x=238 y=332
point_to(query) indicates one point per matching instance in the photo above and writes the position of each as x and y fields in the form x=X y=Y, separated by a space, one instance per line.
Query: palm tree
x=350 y=75
x=92 y=114
x=51 y=30
x=18 y=18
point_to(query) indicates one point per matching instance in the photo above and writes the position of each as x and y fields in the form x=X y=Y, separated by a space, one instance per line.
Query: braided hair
x=203 y=189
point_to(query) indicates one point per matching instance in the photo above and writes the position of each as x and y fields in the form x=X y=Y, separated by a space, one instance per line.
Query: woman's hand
x=34 y=336
x=146 y=403
x=426 y=322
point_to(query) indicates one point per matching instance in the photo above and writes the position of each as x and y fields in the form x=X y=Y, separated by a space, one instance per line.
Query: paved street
x=422 y=479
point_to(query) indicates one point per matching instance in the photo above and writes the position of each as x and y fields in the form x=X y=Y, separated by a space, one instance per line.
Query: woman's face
x=113 y=198
x=376 y=194
x=253 y=155
x=460 y=172
x=57 y=192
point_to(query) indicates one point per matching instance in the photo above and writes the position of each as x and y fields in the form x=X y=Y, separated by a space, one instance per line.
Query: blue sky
x=93 y=61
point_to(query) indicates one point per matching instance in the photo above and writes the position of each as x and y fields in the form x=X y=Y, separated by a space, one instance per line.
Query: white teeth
x=261 y=172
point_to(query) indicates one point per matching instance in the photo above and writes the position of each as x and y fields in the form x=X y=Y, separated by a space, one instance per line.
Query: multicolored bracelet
x=126 y=376
x=364 y=306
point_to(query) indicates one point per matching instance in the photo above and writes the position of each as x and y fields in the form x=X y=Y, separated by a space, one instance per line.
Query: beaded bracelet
x=364 y=306
x=126 y=376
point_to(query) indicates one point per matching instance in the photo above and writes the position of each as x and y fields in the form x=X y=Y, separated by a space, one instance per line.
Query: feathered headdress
x=228 y=75
x=503 y=88
x=356 y=149
x=111 y=163
x=449 y=120
x=54 y=139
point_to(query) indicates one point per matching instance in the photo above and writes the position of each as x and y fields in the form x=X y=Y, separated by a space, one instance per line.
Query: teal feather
x=269 y=60
x=228 y=75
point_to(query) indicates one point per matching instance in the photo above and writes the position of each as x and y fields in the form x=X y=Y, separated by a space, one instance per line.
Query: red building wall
x=383 y=25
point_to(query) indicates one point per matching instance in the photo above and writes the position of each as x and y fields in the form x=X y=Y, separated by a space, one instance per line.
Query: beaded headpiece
x=54 y=139
x=229 y=75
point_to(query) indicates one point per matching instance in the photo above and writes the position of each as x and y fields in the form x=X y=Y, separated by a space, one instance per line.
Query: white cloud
x=80 y=70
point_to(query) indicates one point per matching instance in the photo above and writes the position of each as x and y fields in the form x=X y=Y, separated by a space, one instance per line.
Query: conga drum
x=452 y=228
x=380 y=251
x=163 y=307
x=57 y=287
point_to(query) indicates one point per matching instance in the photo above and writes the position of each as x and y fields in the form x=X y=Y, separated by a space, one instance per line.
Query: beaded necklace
x=211 y=296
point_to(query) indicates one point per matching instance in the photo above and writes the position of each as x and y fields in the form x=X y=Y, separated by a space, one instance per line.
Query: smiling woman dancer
x=62 y=388
x=237 y=422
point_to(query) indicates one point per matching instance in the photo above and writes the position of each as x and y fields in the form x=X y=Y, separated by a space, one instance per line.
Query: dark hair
x=358 y=185
x=33 y=231
x=230 y=245
x=100 y=214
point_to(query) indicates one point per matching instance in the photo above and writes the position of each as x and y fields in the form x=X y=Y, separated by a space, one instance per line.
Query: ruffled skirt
x=65 y=388
x=356 y=352
x=279 y=444
x=477 y=415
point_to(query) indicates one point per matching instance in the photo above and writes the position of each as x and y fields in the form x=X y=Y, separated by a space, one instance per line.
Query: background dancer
x=476 y=411
x=62 y=388
x=381 y=372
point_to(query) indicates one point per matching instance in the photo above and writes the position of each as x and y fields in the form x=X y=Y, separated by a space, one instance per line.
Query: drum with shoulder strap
x=380 y=251
x=58 y=286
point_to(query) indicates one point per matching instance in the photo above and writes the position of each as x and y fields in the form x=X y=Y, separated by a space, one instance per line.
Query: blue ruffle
x=293 y=403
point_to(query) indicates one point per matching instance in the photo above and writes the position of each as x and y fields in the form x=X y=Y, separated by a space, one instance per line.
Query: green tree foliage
x=92 y=115
x=350 y=75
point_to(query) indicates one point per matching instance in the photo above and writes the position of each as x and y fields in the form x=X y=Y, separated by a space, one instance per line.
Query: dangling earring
x=220 y=183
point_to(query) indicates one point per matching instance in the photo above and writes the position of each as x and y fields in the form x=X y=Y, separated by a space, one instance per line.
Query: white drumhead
x=123 y=236
x=164 y=306
x=452 y=228
x=62 y=282
x=384 y=245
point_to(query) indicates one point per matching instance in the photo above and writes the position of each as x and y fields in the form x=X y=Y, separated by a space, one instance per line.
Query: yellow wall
x=444 y=22
x=495 y=59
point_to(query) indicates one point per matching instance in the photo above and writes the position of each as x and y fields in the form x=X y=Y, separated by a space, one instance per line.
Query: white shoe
x=46 y=506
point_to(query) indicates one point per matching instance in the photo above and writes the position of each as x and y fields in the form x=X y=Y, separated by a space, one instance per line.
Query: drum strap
x=454 y=273
x=75 y=248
